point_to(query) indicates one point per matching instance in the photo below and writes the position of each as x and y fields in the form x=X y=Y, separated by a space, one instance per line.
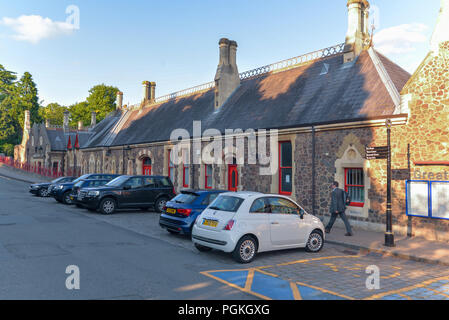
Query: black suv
x=85 y=184
x=127 y=192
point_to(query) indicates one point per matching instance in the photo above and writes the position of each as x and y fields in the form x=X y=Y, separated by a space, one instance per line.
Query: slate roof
x=301 y=96
x=59 y=139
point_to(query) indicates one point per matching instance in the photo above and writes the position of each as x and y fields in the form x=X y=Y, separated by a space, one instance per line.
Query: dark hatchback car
x=181 y=212
x=61 y=192
x=42 y=189
x=128 y=192
x=84 y=184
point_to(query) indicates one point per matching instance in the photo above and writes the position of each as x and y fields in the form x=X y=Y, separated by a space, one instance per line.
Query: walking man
x=338 y=207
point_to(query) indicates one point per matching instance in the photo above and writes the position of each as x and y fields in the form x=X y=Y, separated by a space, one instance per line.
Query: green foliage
x=101 y=99
x=53 y=112
x=16 y=96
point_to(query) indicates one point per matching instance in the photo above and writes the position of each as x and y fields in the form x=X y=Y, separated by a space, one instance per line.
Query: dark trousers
x=343 y=217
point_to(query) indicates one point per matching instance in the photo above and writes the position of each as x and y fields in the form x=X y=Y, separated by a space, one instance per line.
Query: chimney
x=357 y=37
x=47 y=123
x=119 y=101
x=65 y=124
x=93 y=119
x=227 y=78
x=149 y=92
x=146 y=91
x=80 y=125
x=152 y=91
x=441 y=33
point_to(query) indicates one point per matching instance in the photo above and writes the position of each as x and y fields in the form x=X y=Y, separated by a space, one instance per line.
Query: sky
x=71 y=45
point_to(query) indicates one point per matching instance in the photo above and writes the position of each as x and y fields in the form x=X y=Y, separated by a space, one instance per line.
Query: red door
x=233 y=178
x=146 y=167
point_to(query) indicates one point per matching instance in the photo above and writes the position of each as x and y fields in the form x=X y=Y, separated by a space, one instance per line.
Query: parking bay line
x=406 y=289
x=243 y=280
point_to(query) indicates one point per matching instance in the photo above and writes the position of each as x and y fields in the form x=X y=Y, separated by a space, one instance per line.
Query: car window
x=282 y=206
x=165 y=182
x=226 y=203
x=117 y=181
x=149 y=182
x=260 y=206
x=185 y=198
x=134 y=183
x=210 y=198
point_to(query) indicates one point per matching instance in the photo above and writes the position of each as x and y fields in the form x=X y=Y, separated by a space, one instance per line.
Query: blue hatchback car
x=181 y=212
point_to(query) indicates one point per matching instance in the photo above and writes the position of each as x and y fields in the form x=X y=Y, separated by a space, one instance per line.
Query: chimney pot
x=119 y=101
x=357 y=35
x=93 y=119
x=65 y=124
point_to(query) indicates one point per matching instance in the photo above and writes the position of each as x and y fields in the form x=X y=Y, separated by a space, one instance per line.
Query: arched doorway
x=233 y=176
x=146 y=166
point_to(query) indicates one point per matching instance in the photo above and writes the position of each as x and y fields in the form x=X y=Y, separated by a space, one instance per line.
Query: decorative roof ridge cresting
x=293 y=62
x=277 y=66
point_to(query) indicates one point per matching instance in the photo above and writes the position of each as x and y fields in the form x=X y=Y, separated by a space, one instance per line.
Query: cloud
x=400 y=39
x=35 y=28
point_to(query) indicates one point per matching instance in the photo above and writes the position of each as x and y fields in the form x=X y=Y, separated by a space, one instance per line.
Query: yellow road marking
x=205 y=273
x=405 y=296
x=394 y=275
x=439 y=292
x=295 y=291
x=325 y=291
x=316 y=259
x=249 y=280
x=399 y=291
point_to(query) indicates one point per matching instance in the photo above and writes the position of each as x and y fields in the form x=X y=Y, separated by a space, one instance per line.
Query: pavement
x=128 y=256
x=19 y=175
x=412 y=248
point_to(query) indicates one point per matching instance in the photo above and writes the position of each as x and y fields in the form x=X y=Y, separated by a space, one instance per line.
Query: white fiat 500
x=246 y=223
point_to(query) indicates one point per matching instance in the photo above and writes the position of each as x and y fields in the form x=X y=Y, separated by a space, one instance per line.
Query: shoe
x=328 y=231
x=349 y=234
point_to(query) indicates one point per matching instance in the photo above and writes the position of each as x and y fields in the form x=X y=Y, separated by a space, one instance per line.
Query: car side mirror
x=301 y=214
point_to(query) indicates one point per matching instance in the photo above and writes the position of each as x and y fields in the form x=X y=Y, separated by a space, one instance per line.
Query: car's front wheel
x=107 y=206
x=160 y=204
x=66 y=198
x=201 y=248
x=315 y=242
x=246 y=249
x=43 y=193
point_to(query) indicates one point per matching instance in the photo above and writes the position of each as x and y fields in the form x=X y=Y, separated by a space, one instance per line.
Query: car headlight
x=60 y=187
x=93 y=193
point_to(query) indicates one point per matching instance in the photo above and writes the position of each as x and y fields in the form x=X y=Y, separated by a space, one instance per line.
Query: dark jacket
x=338 y=201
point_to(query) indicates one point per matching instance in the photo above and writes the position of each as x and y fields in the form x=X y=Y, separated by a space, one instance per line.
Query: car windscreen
x=185 y=198
x=80 y=178
x=78 y=184
x=57 y=180
x=226 y=203
x=117 y=181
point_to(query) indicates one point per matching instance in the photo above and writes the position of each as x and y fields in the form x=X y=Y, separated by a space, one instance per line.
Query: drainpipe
x=313 y=171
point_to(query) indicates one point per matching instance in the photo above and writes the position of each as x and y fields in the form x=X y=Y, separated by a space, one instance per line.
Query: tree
x=80 y=112
x=53 y=112
x=101 y=99
x=15 y=98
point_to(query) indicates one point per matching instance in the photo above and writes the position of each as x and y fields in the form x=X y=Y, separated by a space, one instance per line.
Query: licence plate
x=210 y=223
x=170 y=210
